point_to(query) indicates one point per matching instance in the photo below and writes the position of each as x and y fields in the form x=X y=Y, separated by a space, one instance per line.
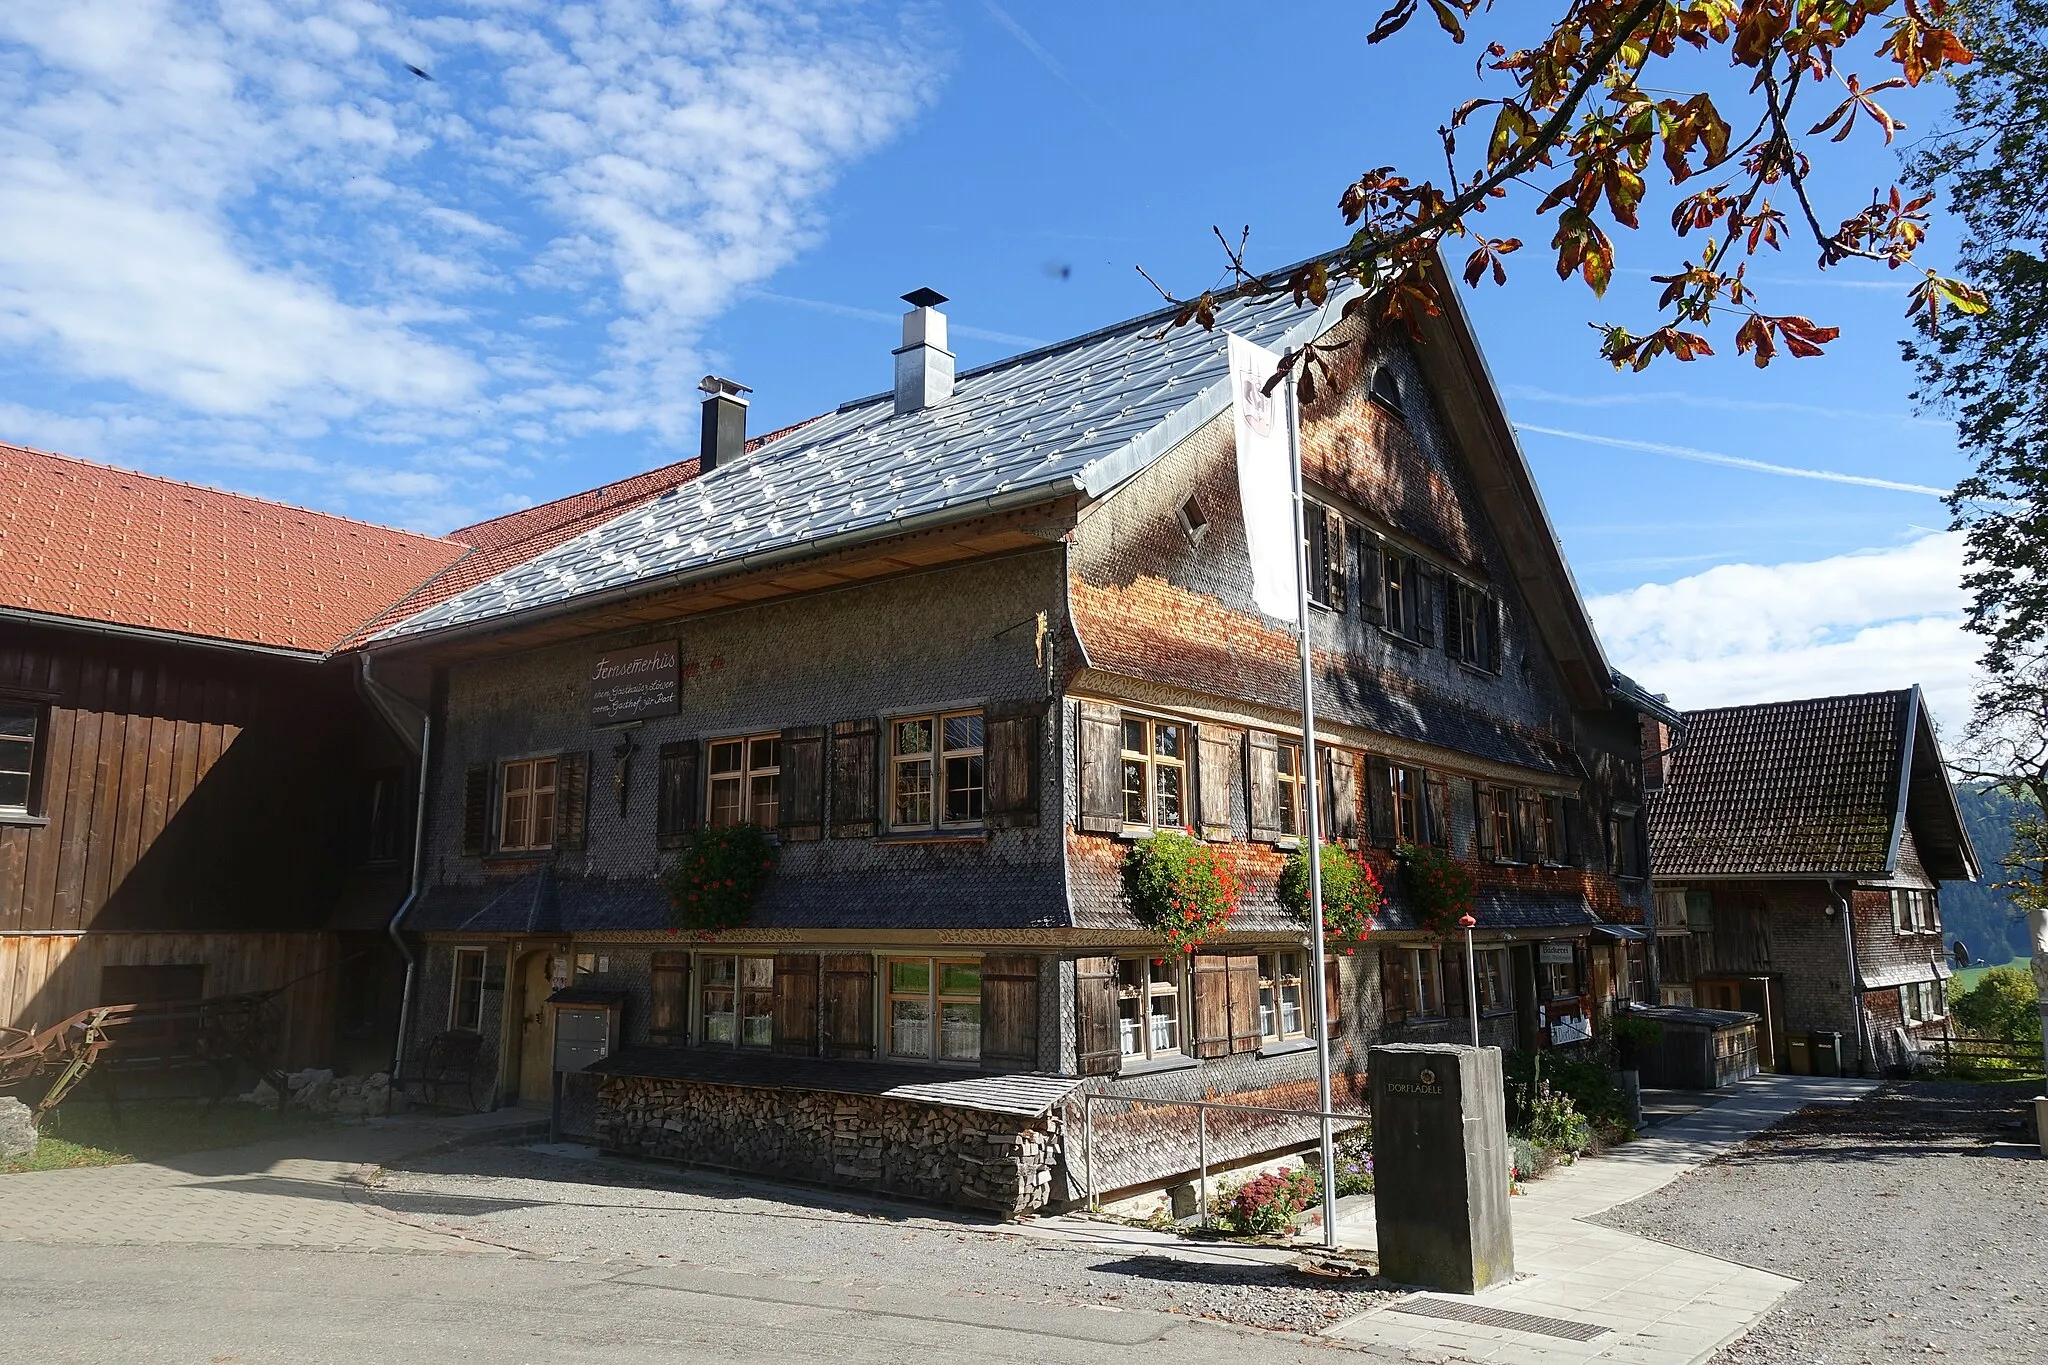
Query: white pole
x=1311 y=822
x=1471 y=976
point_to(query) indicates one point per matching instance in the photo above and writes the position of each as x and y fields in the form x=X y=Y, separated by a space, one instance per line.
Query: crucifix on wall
x=622 y=769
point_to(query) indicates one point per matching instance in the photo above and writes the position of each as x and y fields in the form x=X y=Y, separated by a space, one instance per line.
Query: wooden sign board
x=635 y=684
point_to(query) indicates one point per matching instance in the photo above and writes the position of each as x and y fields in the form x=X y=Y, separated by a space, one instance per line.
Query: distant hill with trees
x=1978 y=913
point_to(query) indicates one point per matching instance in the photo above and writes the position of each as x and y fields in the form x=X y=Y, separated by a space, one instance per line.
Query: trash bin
x=1827 y=1052
x=1802 y=1055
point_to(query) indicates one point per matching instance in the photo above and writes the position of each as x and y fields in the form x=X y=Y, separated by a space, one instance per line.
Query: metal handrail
x=1201 y=1108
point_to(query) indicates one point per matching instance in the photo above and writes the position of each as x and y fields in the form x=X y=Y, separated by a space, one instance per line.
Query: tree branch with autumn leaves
x=1581 y=105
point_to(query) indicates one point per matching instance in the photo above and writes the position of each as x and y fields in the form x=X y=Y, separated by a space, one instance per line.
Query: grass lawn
x=83 y=1132
x=1970 y=976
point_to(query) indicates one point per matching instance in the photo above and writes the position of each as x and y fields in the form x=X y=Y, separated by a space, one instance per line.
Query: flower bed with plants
x=1181 y=889
x=716 y=877
x=1352 y=895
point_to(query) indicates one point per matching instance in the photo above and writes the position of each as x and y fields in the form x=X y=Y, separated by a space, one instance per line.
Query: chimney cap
x=711 y=383
x=924 y=298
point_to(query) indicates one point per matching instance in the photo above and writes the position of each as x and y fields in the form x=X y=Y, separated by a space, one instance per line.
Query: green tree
x=2006 y=746
x=1989 y=370
x=2004 y=1004
x=1609 y=96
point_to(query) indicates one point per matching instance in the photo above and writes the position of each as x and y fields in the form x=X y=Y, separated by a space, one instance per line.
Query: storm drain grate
x=1501 y=1317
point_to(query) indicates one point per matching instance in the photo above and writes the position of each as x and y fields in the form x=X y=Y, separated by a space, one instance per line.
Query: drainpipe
x=1846 y=902
x=382 y=696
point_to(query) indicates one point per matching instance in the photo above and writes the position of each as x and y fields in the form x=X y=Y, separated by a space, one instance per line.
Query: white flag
x=1265 y=483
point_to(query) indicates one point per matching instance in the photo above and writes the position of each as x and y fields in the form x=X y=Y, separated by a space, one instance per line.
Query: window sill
x=1398 y=638
x=519 y=855
x=1476 y=669
x=21 y=819
x=950 y=836
x=1287 y=1047
x=1142 y=1067
x=1503 y=1012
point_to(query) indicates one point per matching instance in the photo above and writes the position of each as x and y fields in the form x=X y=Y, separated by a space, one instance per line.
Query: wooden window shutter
x=856 y=778
x=1011 y=742
x=1482 y=820
x=1379 y=799
x=1436 y=790
x=1527 y=805
x=1211 y=983
x=1097 y=1051
x=1394 y=985
x=796 y=1004
x=1009 y=1012
x=572 y=800
x=1216 y=760
x=1372 y=599
x=675 y=798
x=847 y=1005
x=1245 y=1034
x=1429 y=594
x=668 y=1013
x=1336 y=568
x=1451 y=964
x=1101 y=757
x=1578 y=841
x=1489 y=633
x=1340 y=795
x=476 y=812
x=1315 y=530
x=802 y=785
x=1262 y=785
x=1333 y=996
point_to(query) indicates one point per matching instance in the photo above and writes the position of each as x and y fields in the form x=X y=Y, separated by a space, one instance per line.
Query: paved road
x=215 y=1304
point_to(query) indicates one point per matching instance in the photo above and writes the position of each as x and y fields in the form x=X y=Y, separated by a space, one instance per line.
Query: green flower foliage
x=1352 y=896
x=1180 y=888
x=716 y=876
x=1440 y=888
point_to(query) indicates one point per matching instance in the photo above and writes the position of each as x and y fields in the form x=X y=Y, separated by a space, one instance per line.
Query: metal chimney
x=724 y=435
x=924 y=367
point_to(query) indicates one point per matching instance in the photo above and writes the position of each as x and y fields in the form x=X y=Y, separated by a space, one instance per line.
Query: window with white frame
x=19 y=726
x=1548 y=818
x=924 y=991
x=1281 y=1015
x=1155 y=773
x=745 y=781
x=1407 y=802
x=466 y=1000
x=526 y=817
x=1913 y=911
x=1289 y=768
x=1148 y=1007
x=1425 y=983
x=935 y=771
x=1921 y=1001
x=1496 y=817
x=737 y=1001
x=1492 y=975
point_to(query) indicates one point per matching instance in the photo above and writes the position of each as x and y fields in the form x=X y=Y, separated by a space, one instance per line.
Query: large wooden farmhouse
x=959 y=644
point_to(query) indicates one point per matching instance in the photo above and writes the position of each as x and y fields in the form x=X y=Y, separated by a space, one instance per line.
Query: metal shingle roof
x=1079 y=416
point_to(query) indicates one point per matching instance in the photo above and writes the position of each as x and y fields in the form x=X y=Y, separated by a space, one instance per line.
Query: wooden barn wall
x=182 y=788
x=48 y=977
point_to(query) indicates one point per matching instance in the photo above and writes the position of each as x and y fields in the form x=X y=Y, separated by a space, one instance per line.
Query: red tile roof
x=97 y=543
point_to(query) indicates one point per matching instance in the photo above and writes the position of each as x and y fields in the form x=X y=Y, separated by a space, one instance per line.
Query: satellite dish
x=1959 y=953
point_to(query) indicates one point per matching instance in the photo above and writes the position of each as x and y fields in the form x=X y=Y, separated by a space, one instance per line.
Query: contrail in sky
x=1735 y=461
x=1049 y=62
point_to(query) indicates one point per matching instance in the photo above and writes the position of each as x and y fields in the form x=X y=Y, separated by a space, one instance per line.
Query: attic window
x=1386 y=389
x=1194 y=522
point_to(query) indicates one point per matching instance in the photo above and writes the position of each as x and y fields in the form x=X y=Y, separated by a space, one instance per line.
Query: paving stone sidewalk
x=301 y=1192
x=1660 y=1305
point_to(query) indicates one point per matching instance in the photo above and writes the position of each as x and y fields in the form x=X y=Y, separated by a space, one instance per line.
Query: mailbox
x=586 y=1025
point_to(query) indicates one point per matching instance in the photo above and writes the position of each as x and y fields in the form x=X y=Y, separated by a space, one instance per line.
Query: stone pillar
x=1440 y=1166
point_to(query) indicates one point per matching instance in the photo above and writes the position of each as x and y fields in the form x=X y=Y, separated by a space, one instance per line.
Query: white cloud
x=1849 y=623
x=251 y=211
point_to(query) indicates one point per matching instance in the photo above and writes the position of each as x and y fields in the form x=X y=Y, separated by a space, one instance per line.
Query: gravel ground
x=1915 y=1218
x=636 y=1212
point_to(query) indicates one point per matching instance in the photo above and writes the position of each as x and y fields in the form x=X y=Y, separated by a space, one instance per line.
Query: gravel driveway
x=607 y=1211
x=1918 y=1222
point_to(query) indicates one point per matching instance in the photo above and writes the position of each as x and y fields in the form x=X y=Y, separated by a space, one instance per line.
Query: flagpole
x=1311 y=817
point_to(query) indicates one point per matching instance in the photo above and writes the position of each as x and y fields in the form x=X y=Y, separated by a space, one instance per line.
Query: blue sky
x=264 y=255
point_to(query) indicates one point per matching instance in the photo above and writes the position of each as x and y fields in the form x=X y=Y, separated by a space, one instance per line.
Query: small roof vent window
x=1386 y=389
x=1194 y=522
